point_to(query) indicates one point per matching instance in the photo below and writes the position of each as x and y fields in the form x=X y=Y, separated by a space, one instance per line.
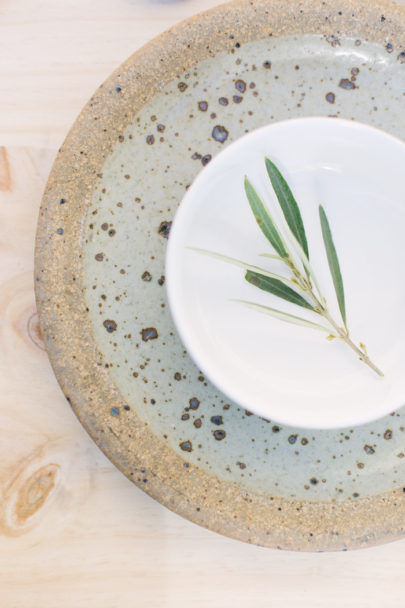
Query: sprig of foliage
x=300 y=287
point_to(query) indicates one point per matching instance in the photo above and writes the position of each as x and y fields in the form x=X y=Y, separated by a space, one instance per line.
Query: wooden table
x=74 y=531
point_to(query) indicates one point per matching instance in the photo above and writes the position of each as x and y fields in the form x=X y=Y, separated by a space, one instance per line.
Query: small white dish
x=283 y=372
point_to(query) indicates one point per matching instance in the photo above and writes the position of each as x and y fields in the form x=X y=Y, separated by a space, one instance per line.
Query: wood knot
x=26 y=496
x=33 y=494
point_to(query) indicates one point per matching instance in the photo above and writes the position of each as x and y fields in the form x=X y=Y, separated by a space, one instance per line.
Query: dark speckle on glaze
x=333 y=40
x=186 y=446
x=60 y=231
x=292 y=439
x=150 y=333
x=219 y=434
x=203 y=106
x=219 y=133
x=237 y=99
x=217 y=420
x=114 y=411
x=240 y=85
x=164 y=229
x=223 y=101
x=330 y=97
x=194 y=403
x=110 y=325
x=347 y=84
x=267 y=65
x=182 y=86
x=401 y=57
x=368 y=449
x=206 y=159
x=146 y=276
x=150 y=139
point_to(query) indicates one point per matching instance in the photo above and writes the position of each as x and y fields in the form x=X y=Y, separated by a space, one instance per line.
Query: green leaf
x=288 y=204
x=277 y=288
x=333 y=262
x=240 y=264
x=283 y=316
x=272 y=256
x=264 y=219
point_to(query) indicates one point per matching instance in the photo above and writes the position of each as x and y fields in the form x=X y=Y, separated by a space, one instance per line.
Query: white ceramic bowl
x=283 y=372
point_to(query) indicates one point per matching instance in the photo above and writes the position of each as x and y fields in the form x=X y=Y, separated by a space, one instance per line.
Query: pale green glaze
x=259 y=456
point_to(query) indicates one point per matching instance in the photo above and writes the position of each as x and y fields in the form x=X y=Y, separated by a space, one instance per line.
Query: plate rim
x=182 y=487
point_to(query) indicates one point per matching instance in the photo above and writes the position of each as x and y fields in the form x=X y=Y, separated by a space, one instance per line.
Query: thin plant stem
x=321 y=308
x=344 y=335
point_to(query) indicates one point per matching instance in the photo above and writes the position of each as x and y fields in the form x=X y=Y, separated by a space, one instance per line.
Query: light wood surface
x=74 y=532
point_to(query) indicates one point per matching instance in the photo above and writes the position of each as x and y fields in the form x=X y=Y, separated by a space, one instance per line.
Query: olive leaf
x=333 y=262
x=288 y=204
x=277 y=288
x=240 y=264
x=264 y=220
x=283 y=316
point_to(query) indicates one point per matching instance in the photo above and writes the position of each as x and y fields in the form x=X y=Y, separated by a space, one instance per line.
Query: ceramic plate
x=102 y=235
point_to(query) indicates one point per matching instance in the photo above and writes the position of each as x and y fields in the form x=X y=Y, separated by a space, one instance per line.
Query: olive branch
x=300 y=287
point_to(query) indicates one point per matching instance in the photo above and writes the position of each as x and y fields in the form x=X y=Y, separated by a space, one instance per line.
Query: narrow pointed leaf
x=264 y=219
x=240 y=264
x=288 y=204
x=283 y=316
x=333 y=262
x=272 y=256
x=277 y=288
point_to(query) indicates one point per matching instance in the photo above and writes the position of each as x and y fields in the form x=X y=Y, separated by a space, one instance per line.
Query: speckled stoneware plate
x=102 y=234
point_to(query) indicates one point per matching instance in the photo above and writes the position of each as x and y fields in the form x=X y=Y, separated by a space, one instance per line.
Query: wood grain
x=74 y=532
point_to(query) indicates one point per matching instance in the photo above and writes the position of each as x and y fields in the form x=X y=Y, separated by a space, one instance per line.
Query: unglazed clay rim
x=218 y=505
